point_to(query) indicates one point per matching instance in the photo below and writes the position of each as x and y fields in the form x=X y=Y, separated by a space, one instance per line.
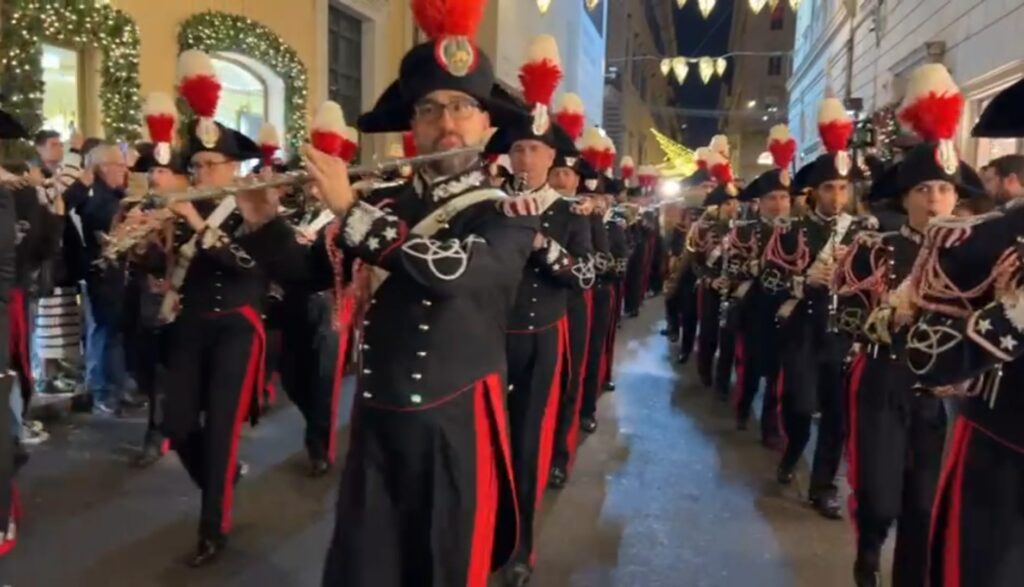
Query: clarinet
x=833 y=299
x=726 y=303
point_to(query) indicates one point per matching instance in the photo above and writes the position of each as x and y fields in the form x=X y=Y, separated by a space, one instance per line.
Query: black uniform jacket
x=437 y=323
x=619 y=248
x=38 y=234
x=564 y=263
x=986 y=346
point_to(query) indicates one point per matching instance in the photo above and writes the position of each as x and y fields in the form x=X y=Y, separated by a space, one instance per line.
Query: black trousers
x=151 y=353
x=895 y=451
x=813 y=380
x=568 y=423
x=214 y=371
x=602 y=329
x=312 y=364
x=707 y=337
x=759 y=341
x=726 y=354
x=688 y=315
x=978 y=531
x=426 y=496
x=7 y=450
x=637 y=271
x=535 y=365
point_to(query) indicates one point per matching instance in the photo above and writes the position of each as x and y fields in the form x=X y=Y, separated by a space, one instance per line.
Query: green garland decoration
x=79 y=24
x=887 y=131
x=219 y=31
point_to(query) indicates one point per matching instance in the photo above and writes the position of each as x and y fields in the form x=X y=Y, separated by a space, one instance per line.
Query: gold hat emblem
x=946 y=157
x=456 y=55
x=207 y=132
x=784 y=178
x=843 y=163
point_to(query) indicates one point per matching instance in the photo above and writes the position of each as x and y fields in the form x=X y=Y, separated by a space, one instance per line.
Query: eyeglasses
x=205 y=165
x=459 y=109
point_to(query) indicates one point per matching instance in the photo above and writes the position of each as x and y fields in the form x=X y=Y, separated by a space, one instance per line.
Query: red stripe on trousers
x=852 y=454
x=251 y=387
x=18 y=336
x=574 y=427
x=346 y=310
x=741 y=370
x=780 y=383
x=951 y=482
x=7 y=545
x=547 y=429
x=486 y=514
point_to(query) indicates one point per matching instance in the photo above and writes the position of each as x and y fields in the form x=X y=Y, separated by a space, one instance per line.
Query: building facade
x=755 y=97
x=636 y=94
x=866 y=49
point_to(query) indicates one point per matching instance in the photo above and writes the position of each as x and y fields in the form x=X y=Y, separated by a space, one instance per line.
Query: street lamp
x=592 y=4
x=751 y=103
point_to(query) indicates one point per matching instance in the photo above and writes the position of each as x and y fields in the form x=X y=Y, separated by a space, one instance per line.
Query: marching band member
x=968 y=342
x=224 y=260
x=427 y=495
x=804 y=254
x=538 y=328
x=721 y=208
x=10 y=510
x=757 y=342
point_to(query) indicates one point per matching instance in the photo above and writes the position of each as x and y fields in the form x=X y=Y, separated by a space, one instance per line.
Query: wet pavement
x=665 y=493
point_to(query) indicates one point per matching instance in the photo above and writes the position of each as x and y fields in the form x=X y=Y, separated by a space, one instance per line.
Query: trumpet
x=289 y=179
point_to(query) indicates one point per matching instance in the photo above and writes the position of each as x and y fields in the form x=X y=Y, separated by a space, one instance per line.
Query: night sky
x=698 y=37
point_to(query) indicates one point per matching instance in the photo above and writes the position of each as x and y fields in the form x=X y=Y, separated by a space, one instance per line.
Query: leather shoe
x=557 y=477
x=609 y=386
x=784 y=475
x=149 y=454
x=588 y=424
x=829 y=506
x=319 y=467
x=518 y=575
x=866 y=574
x=207 y=551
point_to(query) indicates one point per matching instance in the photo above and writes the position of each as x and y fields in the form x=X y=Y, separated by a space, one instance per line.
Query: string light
x=705 y=7
x=680 y=68
x=666 y=66
x=757 y=5
x=680 y=3
x=77 y=24
x=706 y=67
x=794 y=4
x=592 y=4
x=543 y=6
x=720 y=65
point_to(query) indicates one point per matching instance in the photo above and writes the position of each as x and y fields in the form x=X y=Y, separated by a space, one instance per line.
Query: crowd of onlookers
x=70 y=314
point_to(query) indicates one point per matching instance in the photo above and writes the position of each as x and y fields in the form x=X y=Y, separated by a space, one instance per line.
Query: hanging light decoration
x=757 y=5
x=592 y=4
x=720 y=65
x=666 y=66
x=680 y=68
x=706 y=67
x=705 y=7
x=794 y=4
x=543 y=6
x=681 y=3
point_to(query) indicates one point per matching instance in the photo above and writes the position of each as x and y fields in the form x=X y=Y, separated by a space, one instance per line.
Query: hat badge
x=162 y=153
x=571 y=161
x=784 y=178
x=207 y=132
x=946 y=157
x=591 y=184
x=843 y=163
x=456 y=55
x=541 y=120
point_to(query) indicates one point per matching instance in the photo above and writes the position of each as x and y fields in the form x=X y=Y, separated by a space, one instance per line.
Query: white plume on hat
x=593 y=138
x=720 y=144
x=192 y=63
x=329 y=118
x=832 y=110
x=779 y=132
x=928 y=79
x=350 y=134
x=268 y=135
x=570 y=102
x=543 y=47
x=158 y=103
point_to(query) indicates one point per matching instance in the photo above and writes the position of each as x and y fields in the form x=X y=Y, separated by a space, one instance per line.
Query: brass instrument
x=833 y=295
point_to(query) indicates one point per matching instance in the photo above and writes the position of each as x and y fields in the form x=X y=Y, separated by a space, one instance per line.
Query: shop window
x=775 y=65
x=987 y=149
x=243 y=97
x=62 y=104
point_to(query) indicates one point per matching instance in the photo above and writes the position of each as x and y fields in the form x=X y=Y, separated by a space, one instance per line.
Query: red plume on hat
x=834 y=125
x=448 y=18
x=569 y=115
x=719 y=167
x=269 y=142
x=199 y=86
x=781 y=146
x=349 y=144
x=328 y=127
x=161 y=116
x=627 y=168
x=933 y=104
x=647 y=176
x=541 y=72
x=409 y=144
